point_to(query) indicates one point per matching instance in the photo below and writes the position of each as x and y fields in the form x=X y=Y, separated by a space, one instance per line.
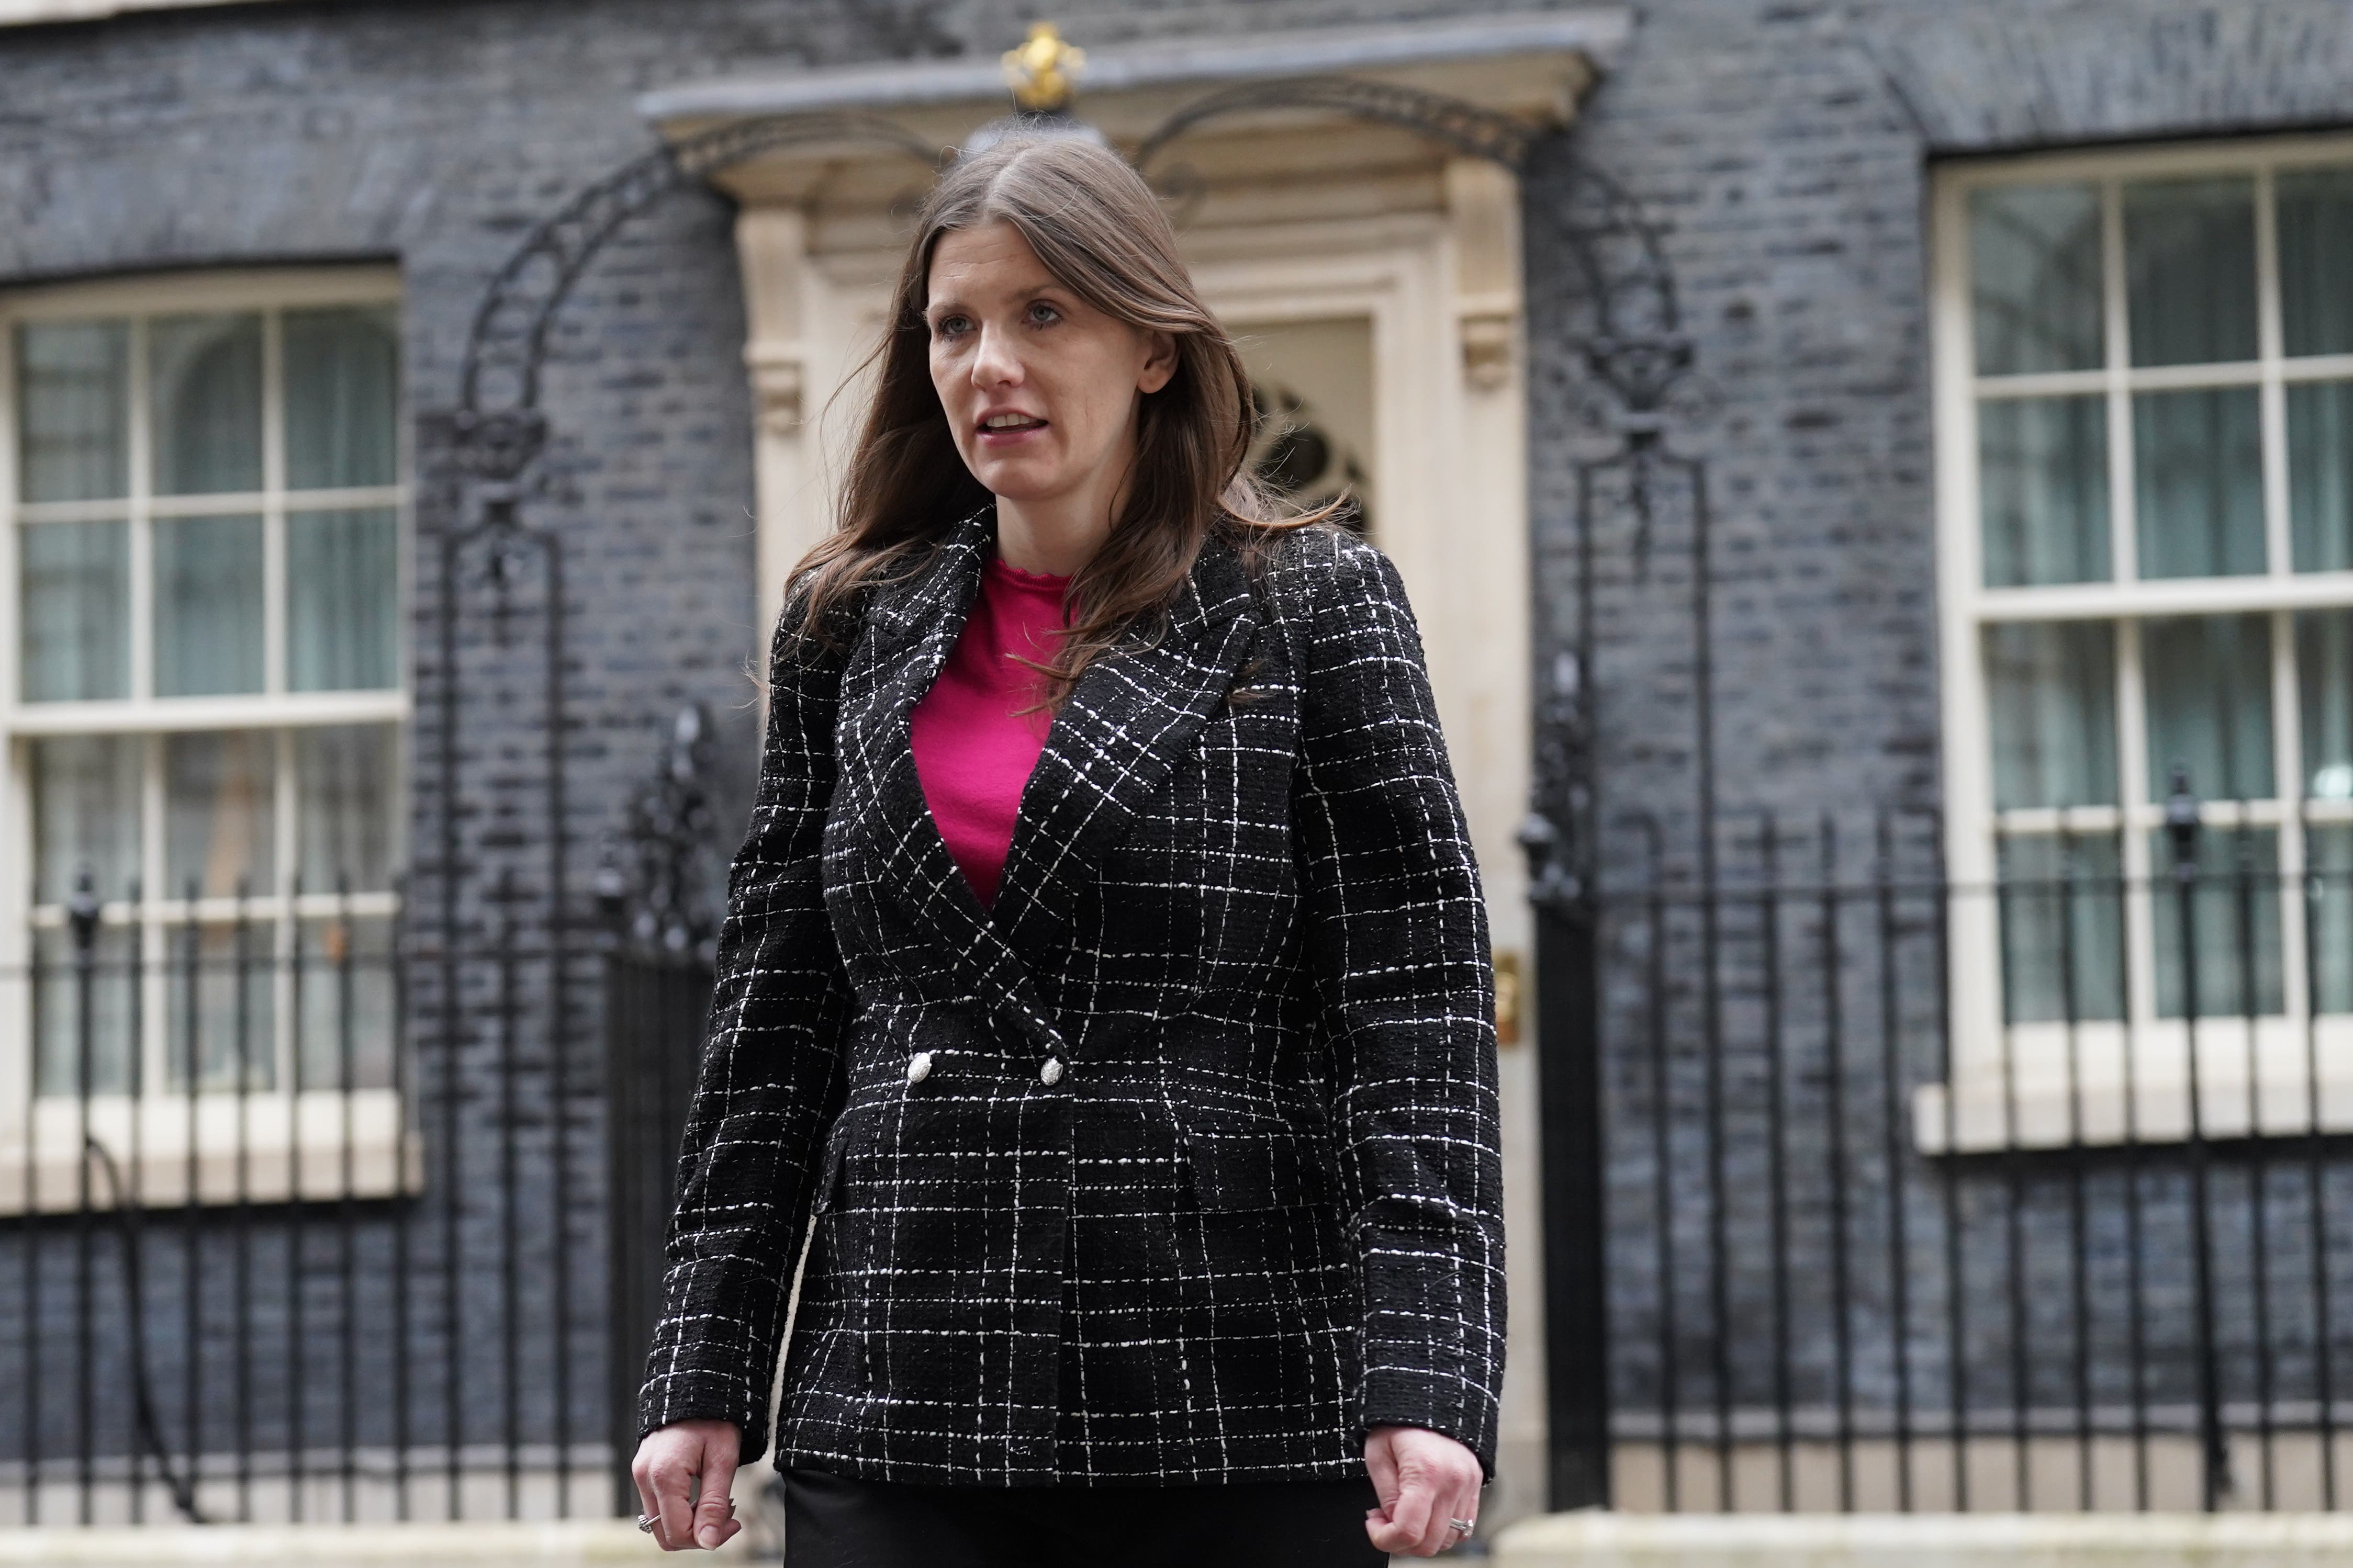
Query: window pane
x=345 y=1038
x=2315 y=236
x=343 y=379
x=208 y=606
x=2190 y=263
x=2051 y=694
x=2062 y=929
x=219 y=794
x=2329 y=858
x=220 y=1006
x=342 y=600
x=2234 y=925
x=74 y=604
x=349 y=781
x=2197 y=461
x=205 y=390
x=2324 y=660
x=85 y=813
x=72 y=401
x=2034 y=265
x=2320 y=474
x=2208 y=679
x=2044 y=488
x=65 y=1015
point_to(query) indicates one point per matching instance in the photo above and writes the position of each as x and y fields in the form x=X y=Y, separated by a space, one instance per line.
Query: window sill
x=317 y=1147
x=2266 y=1087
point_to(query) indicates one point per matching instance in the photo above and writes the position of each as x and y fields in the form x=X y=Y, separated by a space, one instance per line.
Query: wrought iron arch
x=499 y=424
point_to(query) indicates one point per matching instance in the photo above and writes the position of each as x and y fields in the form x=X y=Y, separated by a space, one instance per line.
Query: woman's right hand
x=684 y=1472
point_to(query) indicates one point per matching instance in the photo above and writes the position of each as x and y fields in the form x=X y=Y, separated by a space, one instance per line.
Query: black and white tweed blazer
x=1180 y=1164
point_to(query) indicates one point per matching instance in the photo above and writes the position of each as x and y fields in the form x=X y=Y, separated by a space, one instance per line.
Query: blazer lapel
x=1128 y=719
x=914 y=626
x=1131 y=715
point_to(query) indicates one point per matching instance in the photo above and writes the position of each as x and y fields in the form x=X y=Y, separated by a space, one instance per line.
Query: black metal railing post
x=2079 y=1252
x=1893 y=1152
x=1556 y=837
x=2182 y=826
x=1661 y=1154
x=2259 y=1262
x=657 y=891
x=2315 y=892
x=81 y=917
x=1568 y=1031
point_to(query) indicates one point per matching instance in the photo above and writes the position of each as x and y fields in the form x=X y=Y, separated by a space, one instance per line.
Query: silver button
x=919 y=1067
x=1052 y=1073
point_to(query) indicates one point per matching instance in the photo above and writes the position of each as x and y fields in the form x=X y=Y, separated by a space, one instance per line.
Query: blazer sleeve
x=1396 y=939
x=768 y=1079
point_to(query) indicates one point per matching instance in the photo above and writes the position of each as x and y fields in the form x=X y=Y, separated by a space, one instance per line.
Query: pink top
x=972 y=753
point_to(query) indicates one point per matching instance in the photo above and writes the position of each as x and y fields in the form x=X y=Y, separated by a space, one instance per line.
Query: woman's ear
x=1159 y=362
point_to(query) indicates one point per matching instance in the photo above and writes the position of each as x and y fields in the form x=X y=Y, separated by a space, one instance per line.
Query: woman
x=1105 y=970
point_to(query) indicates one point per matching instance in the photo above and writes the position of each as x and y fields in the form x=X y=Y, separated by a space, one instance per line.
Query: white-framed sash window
x=2145 y=431
x=204 y=709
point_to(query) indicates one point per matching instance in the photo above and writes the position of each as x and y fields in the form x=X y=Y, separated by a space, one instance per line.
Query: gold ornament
x=1044 y=71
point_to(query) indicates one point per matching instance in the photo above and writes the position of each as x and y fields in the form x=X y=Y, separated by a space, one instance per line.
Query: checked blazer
x=1179 y=1165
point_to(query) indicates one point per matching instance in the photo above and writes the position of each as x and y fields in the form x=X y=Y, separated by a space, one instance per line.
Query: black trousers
x=833 y=1522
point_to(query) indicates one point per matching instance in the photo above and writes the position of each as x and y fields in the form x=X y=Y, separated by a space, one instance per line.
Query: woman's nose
x=996 y=364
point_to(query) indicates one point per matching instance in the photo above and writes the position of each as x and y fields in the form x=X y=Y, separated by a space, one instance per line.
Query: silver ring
x=645 y=1525
x=1463 y=1526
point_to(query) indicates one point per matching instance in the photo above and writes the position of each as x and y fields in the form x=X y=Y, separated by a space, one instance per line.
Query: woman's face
x=1040 y=387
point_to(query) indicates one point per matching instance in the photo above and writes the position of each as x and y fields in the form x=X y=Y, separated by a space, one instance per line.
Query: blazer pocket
x=1252 y=1166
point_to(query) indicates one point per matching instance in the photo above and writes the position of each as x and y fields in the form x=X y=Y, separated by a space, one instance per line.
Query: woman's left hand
x=1425 y=1480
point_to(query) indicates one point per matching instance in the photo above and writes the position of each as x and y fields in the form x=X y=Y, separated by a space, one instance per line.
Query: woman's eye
x=1041 y=313
x=949 y=326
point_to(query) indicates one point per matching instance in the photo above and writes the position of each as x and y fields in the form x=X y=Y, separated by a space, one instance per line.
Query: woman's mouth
x=1004 y=429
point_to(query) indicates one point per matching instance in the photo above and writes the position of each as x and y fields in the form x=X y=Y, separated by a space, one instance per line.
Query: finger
x=649 y=1508
x=673 y=1514
x=1441 y=1533
x=1380 y=1464
x=1462 y=1503
x=713 y=1521
x=1410 y=1517
x=1385 y=1535
x=646 y=1507
x=1453 y=1498
x=1438 y=1537
x=711 y=1535
x=1380 y=1461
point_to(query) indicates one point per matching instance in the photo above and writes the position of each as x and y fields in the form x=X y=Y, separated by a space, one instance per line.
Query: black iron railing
x=264 y=1259
x=208 y=1143
x=269 y=1250
x=2020 y=1193
x=1918 y=1195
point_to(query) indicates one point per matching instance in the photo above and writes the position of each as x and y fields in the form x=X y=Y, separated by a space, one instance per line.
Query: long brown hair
x=1096 y=227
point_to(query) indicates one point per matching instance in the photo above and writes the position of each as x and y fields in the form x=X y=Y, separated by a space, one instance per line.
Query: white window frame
x=257 y=1145
x=2041 y=1084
